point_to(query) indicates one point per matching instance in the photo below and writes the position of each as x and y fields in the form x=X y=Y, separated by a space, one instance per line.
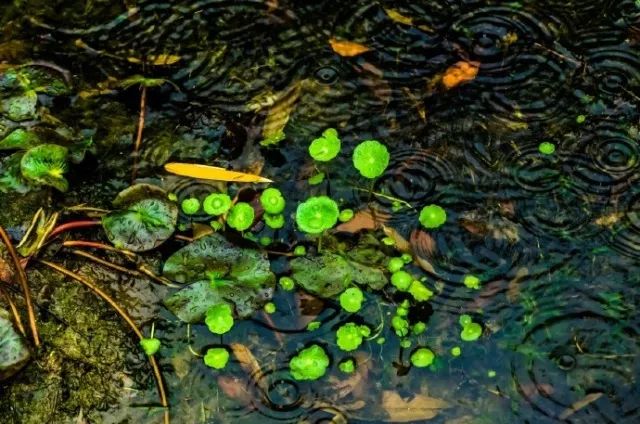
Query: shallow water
x=554 y=238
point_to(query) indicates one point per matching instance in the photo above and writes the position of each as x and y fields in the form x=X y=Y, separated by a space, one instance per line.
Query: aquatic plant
x=274 y=221
x=395 y=264
x=347 y=366
x=401 y=280
x=317 y=214
x=470 y=330
x=419 y=291
x=325 y=148
x=471 y=282
x=219 y=318
x=269 y=307
x=216 y=357
x=46 y=164
x=351 y=299
x=400 y=325
x=241 y=216
x=309 y=364
x=371 y=158
x=272 y=201
x=216 y=204
x=349 y=336
x=432 y=216
x=190 y=206
x=287 y=283
x=547 y=148
x=150 y=345
x=346 y=215
x=456 y=351
x=422 y=357
x=418 y=328
x=299 y=250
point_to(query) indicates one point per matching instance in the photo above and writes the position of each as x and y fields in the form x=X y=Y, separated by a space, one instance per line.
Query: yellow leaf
x=206 y=172
x=419 y=408
x=460 y=72
x=157 y=60
x=347 y=48
x=396 y=16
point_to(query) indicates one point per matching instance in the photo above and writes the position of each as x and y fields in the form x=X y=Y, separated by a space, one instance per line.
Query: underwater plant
x=346 y=215
x=46 y=164
x=419 y=291
x=547 y=148
x=190 y=206
x=317 y=214
x=269 y=307
x=432 y=216
x=395 y=264
x=422 y=357
x=347 y=366
x=371 y=158
x=219 y=318
x=216 y=204
x=349 y=336
x=401 y=280
x=272 y=201
x=216 y=357
x=287 y=283
x=150 y=345
x=326 y=147
x=471 y=282
x=241 y=216
x=309 y=364
x=470 y=330
x=351 y=299
x=274 y=221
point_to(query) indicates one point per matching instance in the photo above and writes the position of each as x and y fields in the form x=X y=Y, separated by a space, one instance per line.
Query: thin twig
x=14 y=311
x=97 y=245
x=22 y=278
x=88 y=283
x=138 y=142
x=106 y=263
x=73 y=225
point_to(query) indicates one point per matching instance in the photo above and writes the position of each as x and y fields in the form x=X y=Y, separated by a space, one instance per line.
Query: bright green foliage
x=422 y=357
x=471 y=332
x=405 y=343
x=395 y=264
x=346 y=215
x=287 y=283
x=265 y=241
x=46 y=164
x=313 y=325
x=407 y=258
x=349 y=336
x=351 y=299
x=216 y=357
x=432 y=216
x=272 y=201
x=270 y=307
x=347 y=366
x=150 y=345
x=219 y=318
x=401 y=280
x=317 y=214
x=20 y=139
x=465 y=320
x=216 y=204
x=546 y=148
x=471 y=281
x=388 y=241
x=402 y=311
x=309 y=364
x=299 y=250
x=419 y=291
x=241 y=216
x=491 y=373
x=580 y=119
x=316 y=179
x=381 y=340
x=325 y=148
x=400 y=325
x=371 y=158
x=190 y=206
x=418 y=328
x=456 y=351
x=173 y=197
x=274 y=221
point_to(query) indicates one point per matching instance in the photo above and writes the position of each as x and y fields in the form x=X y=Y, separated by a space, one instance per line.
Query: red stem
x=73 y=225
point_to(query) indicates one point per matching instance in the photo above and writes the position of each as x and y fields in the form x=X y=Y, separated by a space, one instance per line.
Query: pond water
x=519 y=118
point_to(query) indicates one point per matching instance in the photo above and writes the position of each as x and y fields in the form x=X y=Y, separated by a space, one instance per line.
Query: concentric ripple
x=624 y=236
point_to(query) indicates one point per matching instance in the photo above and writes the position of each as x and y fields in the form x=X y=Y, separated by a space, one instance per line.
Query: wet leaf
x=347 y=48
x=459 y=73
x=157 y=60
x=280 y=112
x=250 y=365
x=20 y=139
x=362 y=220
x=326 y=275
x=609 y=220
x=418 y=408
x=21 y=107
x=46 y=165
x=206 y=172
x=396 y=16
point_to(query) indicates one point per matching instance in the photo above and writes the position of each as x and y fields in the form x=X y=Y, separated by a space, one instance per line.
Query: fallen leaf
x=420 y=407
x=157 y=60
x=396 y=16
x=459 y=73
x=235 y=388
x=355 y=383
x=206 y=172
x=576 y=406
x=363 y=220
x=609 y=220
x=347 y=48
x=5 y=271
x=250 y=365
x=401 y=243
x=513 y=288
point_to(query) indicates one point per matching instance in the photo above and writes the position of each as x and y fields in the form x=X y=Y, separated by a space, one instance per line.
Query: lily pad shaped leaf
x=326 y=276
x=142 y=223
x=46 y=164
x=220 y=273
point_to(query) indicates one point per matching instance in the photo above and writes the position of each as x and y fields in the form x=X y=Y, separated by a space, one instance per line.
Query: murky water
x=555 y=238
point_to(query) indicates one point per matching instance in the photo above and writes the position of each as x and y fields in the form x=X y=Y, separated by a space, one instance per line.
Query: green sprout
x=422 y=357
x=317 y=178
x=491 y=373
x=371 y=158
x=419 y=291
x=309 y=364
x=216 y=204
x=418 y=328
x=299 y=250
x=470 y=330
x=346 y=215
x=272 y=201
x=400 y=325
x=265 y=241
x=216 y=357
x=287 y=283
x=546 y=148
x=580 y=119
x=388 y=241
x=432 y=216
x=150 y=345
x=241 y=216
x=270 y=307
x=325 y=148
x=405 y=343
x=347 y=366
x=317 y=214
x=349 y=336
x=456 y=351
x=313 y=325
x=190 y=206
x=274 y=221
x=471 y=281
x=395 y=264
x=219 y=318
x=401 y=280
x=351 y=299
x=406 y=258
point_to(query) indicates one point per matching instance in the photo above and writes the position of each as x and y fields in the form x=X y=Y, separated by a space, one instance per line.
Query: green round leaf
x=219 y=319
x=46 y=164
x=317 y=214
x=371 y=158
x=309 y=364
x=422 y=357
x=216 y=357
x=325 y=148
x=432 y=216
x=150 y=345
x=241 y=216
x=272 y=201
x=351 y=299
x=216 y=204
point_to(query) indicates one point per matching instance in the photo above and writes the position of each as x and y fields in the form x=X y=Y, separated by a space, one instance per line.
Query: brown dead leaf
x=364 y=219
x=576 y=406
x=513 y=288
x=347 y=48
x=459 y=73
x=419 y=408
x=6 y=274
x=356 y=383
x=280 y=111
x=235 y=388
x=250 y=365
x=401 y=243
x=609 y=220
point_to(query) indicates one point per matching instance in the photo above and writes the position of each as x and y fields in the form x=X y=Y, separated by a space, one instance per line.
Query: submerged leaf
x=20 y=139
x=20 y=108
x=347 y=48
x=46 y=164
x=419 y=408
x=396 y=16
x=206 y=172
x=459 y=73
x=157 y=60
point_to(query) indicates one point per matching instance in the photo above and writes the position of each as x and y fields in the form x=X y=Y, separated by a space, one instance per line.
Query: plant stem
x=73 y=225
x=14 y=311
x=22 y=278
x=138 y=142
x=89 y=284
